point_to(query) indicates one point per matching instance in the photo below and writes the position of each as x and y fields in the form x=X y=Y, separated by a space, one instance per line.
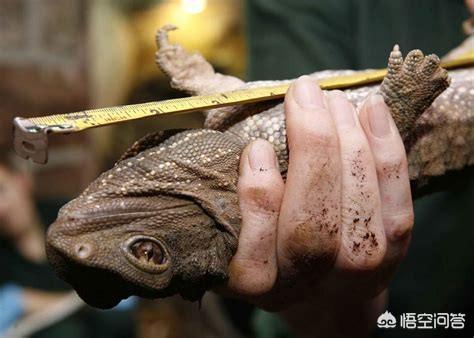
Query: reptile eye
x=148 y=252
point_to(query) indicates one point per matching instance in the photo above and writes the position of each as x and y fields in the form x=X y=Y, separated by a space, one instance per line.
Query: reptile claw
x=411 y=85
x=162 y=40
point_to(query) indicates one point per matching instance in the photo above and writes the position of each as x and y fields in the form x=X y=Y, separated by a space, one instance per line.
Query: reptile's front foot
x=411 y=85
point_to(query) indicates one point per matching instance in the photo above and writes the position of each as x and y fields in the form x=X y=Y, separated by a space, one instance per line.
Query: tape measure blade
x=61 y=123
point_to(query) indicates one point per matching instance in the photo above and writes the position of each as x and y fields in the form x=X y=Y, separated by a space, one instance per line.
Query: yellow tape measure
x=30 y=134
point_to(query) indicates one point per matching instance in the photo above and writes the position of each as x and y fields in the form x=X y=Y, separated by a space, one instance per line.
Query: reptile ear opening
x=146 y=253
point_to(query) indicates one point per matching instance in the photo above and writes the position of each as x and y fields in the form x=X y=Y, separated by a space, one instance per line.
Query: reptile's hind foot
x=411 y=85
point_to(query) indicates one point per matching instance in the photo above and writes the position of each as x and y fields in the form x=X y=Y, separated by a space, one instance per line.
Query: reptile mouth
x=97 y=287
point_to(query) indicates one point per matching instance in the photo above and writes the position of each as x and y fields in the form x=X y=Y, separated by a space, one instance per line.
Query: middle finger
x=308 y=232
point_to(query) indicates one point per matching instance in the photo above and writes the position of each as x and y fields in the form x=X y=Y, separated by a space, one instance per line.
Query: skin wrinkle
x=257 y=198
x=203 y=242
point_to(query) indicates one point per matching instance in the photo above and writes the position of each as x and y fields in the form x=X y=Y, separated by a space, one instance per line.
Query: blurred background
x=60 y=56
x=67 y=55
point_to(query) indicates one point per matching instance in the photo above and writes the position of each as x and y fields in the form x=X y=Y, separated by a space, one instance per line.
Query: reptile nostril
x=83 y=250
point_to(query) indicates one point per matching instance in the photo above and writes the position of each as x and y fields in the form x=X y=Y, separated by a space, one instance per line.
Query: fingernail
x=307 y=93
x=261 y=156
x=341 y=109
x=378 y=116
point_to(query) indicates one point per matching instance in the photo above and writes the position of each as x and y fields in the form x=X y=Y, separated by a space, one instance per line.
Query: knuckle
x=394 y=158
x=321 y=138
x=364 y=250
x=366 y=261
x=399 y=226
x=315 y=135
x=391 y=165
x=264 y=196
x=308 y=248
x=251 y=277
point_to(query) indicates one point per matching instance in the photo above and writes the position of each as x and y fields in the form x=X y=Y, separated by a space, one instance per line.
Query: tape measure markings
x=27 y=129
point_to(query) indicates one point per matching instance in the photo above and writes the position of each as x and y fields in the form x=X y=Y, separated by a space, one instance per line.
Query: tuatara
x=165 y=219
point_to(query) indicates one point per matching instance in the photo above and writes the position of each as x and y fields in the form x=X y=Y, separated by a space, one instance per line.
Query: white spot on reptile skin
x=471 y=92
x=110 y=176
x=152 y=172
x=462 y=89
x=129 y=164
x=161 y=166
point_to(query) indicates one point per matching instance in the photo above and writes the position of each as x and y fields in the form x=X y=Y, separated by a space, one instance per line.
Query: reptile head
x=159 y=223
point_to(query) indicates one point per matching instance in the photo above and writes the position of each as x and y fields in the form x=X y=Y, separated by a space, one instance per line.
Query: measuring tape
x=31 y=134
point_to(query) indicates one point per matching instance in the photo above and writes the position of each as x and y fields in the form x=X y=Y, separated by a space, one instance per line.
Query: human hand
x=15 y=206
x=470 y=5
x=336 y=230
x=19 y=222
